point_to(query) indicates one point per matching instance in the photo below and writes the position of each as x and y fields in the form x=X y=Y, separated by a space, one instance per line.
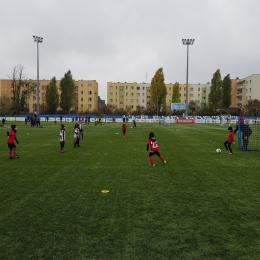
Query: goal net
x=249 y=134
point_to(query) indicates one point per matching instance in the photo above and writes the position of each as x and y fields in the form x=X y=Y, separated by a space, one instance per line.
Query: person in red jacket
x=10 y=142
x=124 y=127
x=230 y=140
x=154 y=149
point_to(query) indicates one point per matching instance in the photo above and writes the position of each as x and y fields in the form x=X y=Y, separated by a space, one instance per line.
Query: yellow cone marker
x=105 y=191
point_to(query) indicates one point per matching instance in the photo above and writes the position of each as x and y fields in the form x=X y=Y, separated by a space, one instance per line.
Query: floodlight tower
x=187 y=42
x=38 y=40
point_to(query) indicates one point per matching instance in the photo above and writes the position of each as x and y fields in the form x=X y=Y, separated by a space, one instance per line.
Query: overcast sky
x=128 y=40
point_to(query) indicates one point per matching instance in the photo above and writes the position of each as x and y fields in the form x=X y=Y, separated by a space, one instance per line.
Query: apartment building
x=132 y=95
x=247 y=89
x=85 y=95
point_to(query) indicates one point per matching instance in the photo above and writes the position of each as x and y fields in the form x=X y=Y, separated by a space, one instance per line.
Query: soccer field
x=200 y=205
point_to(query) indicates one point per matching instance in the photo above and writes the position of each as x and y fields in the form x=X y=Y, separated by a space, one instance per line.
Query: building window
x=115 y=100
x=132 y=87
x=76 y=88
x=143 y=100
x=131 y=100
x=191 y=95
x=126 y=94
x=137 y=101
x=180 y=89
x=89 y=85
x=76 y=94
x=126 y=87
x=121 y=96
x=198 y=95
x=198 y=89
x=111 y=100
x=170 y=88
x=110 y=94
x=249 y=90
x=249 y=97
x=138 y=88
x=121 y=103
x=132 y=94
x=81 y=85
x=90 y=92
x=82 y=99
x=143 y=88
x=81 y=92
x=138 y=94
x=81 y=105
x=89 y=106
x=111 y=87
x=90 y=99
x=191 y=89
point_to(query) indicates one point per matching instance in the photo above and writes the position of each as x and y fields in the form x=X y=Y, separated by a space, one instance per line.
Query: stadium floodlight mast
x=38 y=40
x=187 y=42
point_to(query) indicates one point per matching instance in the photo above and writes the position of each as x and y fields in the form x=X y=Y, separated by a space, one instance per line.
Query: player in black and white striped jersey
x=76 y=136
x=62 y=138
x=80 y=130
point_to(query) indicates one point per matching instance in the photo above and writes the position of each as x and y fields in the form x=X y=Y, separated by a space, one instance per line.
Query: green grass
x=200 y=205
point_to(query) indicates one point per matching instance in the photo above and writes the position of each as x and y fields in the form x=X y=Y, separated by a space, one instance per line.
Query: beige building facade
x=247 y=89
x=85 y=95
x=118 y=93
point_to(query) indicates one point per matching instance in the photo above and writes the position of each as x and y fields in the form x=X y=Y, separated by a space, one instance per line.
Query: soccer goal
x=249 y=135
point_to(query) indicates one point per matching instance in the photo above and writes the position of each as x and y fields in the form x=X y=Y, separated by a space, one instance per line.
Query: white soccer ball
x=218 y=150
x=131 y=127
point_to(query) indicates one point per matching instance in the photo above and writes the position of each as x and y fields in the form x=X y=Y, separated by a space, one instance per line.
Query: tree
x=226 y=92
x=106 y=109
x=194 y=106
x=176 y=93
x=158 y=90
x=52 y=96
x=5 y=105
x=21 y=89
x=67 y=88
x=215 y=95
x=252 y=108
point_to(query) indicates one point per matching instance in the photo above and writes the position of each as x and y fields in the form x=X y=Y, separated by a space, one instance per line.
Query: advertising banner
x=184 y=121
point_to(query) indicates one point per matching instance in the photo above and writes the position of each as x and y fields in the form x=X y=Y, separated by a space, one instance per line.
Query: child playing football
x=10 y=142
x=62 y=138
x=124 y=127
x=154 y=149
x=229 y=141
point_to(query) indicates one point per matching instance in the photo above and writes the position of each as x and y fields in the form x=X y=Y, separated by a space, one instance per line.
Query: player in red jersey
x=154 y=149
x=124 y=127
x=230 y=140
x=10 y=142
